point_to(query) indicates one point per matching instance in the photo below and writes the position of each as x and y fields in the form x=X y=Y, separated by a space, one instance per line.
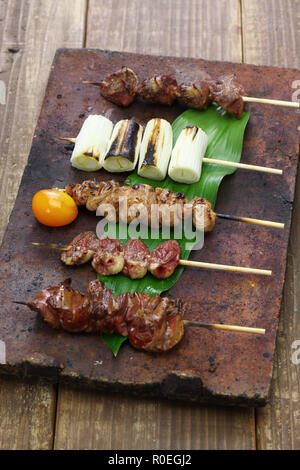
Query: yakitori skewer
x=170 y=206
x=109 y=257
x=123 y=86
x=154 y=324
x=215 y=161
x=209 y=326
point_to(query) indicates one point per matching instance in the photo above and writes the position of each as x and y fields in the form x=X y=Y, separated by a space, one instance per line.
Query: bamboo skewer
x=215 y=326
x=289 y=104
x=215 y=161
x=192 y=264
x=210 y=326
x=247 y=220
x=246 y=99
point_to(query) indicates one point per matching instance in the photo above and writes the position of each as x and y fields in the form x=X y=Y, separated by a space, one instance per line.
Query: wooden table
x=39 y=416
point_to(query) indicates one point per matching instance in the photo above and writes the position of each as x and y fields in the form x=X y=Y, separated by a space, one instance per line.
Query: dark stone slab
x=207 y=366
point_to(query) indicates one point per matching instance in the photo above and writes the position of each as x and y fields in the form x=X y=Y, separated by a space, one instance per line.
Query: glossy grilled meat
x=109 y=258
x=195 y=95
x=227 y=93
x=121 y=87
x=161 y=89
x=153 y=324
x=155 y=206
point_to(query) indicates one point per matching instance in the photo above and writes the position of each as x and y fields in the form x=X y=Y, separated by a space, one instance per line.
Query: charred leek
x=156 y=149
x=91 y=143
x=186 y=161
x=124 y=147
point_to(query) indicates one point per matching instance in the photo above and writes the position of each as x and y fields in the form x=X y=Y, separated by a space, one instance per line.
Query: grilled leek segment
x=156 y=149
x=91 y=143
x=124 y=147
x=189 y=150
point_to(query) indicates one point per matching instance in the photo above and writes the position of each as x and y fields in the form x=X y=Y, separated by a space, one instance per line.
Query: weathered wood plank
x=185 y=28
x=271 y=37
x=181 y=28
x=124 y=423
x=30 y=32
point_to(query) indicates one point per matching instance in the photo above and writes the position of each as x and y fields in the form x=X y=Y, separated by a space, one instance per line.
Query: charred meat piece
x=82 y=192
x=109 y=257
x=164 y=259
x=62 y=307
x=81 y=249
x=137 y=202
x=172 y=207
x=103 y=308
x=204 y=218
x=101 y=196
x=153 y=324
x=136 y=255
x=227 y=93
x=121 y=87
x=195 y=95
x=161 y=89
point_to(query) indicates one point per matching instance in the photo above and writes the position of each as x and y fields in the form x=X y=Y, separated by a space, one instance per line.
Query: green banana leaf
x=225 y=142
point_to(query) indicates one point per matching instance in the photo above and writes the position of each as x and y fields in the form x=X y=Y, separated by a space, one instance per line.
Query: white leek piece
x=156 y=149
x=91 y=143
x=124 y=147
x=189 y=150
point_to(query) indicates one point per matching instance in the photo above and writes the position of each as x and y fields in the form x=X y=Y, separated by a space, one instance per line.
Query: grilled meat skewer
x=123 y=87
x=135 y=259
x=153 y=324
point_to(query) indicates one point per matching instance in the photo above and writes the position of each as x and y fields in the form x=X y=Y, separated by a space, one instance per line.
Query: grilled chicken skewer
x=155 y=206
x=153 y=324
x=134 y=260
x=123 y=87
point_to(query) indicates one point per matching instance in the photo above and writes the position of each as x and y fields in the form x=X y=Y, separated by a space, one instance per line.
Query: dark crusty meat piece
x=204 y=218
x=164 y=259
x=195 y=95
x=136 y=255
x=62 y=307
x=81 y=249
x=161 y=89
x=227 y=93
x=121 y=87
x=103 y=308
x=109 y=257
x=153 y=324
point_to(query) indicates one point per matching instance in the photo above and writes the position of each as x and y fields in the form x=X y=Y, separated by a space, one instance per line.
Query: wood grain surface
x=256 y=31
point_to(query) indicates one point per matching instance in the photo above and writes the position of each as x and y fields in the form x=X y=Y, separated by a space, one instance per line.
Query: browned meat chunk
x=81 y=249
x=136 y=255
x=161 y=89
x=109 y=257
x=195 y=95
x=204 y=218
x=164 y=259
x=227 y=93
x=121 y=87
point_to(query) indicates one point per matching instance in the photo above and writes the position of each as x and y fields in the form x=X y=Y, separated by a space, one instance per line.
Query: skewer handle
x=68 y=139
x=224 y=267
x=289 y=104
x=214 y=326
x=247 y=220
x=243 y=166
